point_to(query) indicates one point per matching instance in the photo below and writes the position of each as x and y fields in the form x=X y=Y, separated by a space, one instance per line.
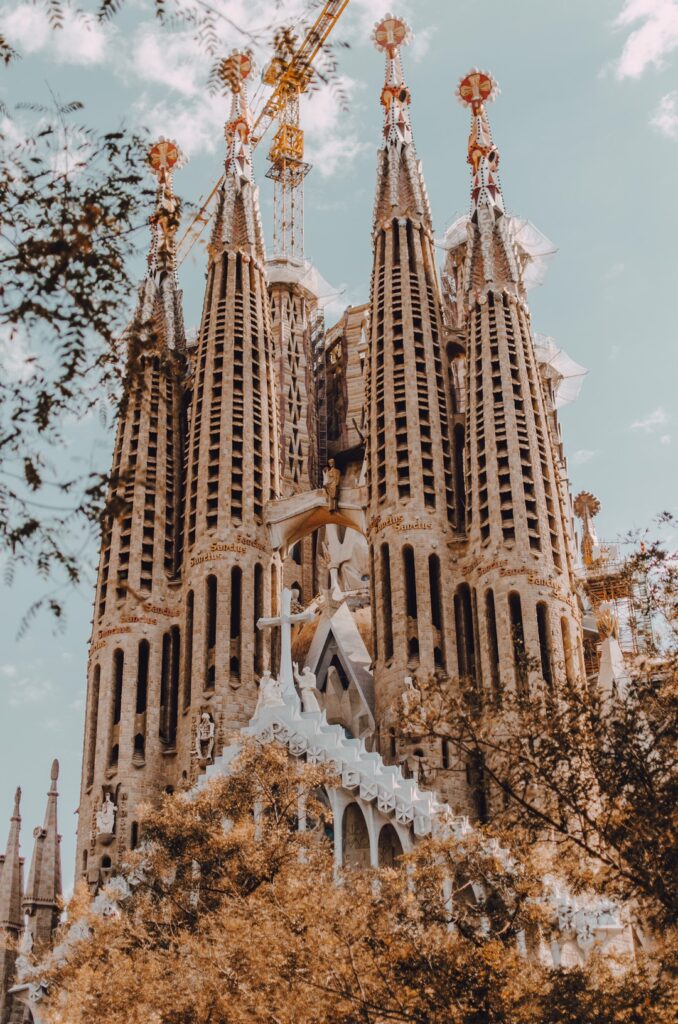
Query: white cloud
x=422 y=43
x=9 y=671
x=172 y=59
x=16 y=361
x=28 y=690
x=665 y=439
x=197 y=124
x=616 y=270
x=80 y=40
x=653 y=38
x=665 y=117
x=583 y=455
x=648 y=424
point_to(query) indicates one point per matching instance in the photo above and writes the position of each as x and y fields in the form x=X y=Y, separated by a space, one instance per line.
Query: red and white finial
x=476 y=88
x=390 y=34
x=236 y=69
x=164 y=157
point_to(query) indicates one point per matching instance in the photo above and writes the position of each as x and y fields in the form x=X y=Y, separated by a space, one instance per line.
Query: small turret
x=43 y=890
x=11 y=887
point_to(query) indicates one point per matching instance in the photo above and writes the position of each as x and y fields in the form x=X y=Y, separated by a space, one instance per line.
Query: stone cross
x=286 y=620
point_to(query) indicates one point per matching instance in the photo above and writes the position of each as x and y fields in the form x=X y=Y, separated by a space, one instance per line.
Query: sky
x=587 y=128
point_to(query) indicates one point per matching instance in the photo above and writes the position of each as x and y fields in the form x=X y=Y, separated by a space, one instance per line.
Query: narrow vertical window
x=236 y=618
x=92 y=724
x=175 y=643
x=567 y=650
x=188 y=652
x=165 y=687
x=436 y=611
x=544 y=628
x=258 y=612
x=518 y=641
x=459 y=477
x=210 y=631
x=411 y=603
x=463 y=617
x=492 y=643
x=386 y=601
x=118 y=670
x=142 y=676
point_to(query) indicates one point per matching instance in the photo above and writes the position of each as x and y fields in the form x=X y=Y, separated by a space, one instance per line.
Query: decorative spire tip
x=164 y=157
x=54 y=773
x=390 y=34
x=476 y=88
x=17 y=802
x=236 y=69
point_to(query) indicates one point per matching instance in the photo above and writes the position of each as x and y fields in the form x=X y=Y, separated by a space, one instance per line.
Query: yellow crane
x=290 y=78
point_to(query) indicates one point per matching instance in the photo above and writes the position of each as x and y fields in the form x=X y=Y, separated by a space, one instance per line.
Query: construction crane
x=290 y=77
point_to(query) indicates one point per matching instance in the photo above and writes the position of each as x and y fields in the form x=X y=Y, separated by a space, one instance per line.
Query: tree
x=233 y=913
x=595 y=773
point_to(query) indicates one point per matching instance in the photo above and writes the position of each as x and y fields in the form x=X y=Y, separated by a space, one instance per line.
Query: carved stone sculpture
x=331 y=482
x=204 y=737
x=270 y=693
x=307 y=687
x=106 y=816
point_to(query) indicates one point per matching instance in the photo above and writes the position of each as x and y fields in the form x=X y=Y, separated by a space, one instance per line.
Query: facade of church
x=400 y=472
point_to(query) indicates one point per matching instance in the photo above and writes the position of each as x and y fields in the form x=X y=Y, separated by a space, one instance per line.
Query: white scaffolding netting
x=567 y=376
x=304 y=274
x=535 y=250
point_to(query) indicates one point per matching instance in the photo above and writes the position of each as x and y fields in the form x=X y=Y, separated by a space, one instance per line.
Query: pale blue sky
x=587 y=127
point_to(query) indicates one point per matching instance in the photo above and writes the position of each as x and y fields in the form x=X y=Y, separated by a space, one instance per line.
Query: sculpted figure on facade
x=270 y=693
x=331 y=483
x=204 y=739
x=306 y=681
x=106 y=816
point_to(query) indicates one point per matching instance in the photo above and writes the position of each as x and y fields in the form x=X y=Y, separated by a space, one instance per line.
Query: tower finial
x=164 y=157
x=17 y=803
x=475 y=90
x=234 y=71
x=389 y=35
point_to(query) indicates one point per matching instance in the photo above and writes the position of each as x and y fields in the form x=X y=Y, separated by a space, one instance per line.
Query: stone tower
x=232 y=456
x=11 y=918
x=43 y=888
x=410 y=487
x=517 y=620
x=132 y=701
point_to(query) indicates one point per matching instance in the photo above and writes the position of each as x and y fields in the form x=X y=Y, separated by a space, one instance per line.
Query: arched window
x=492 y=643
x=439 y=655
x=386 y=602
x=567 y=650
x=258 y=612
x=544 y=629
x=210 y=632
x=390 y=848
x=142 y=676
x=463 y=618
x=459 y=477
x=236 y=617
x=355 y=838
x=410 y=578
x=518 y=641
x=188 y=650
x=295 y=553
x=92 y=724
x=118 y=671
x=139 y=756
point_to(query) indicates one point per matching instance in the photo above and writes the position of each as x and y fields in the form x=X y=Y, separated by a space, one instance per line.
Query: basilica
x=308 y=517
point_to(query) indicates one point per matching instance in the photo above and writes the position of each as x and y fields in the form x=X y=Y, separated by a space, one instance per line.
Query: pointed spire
x=164 y=157
x=400 y=189
x=238 y=222
x=11 y=874
x=43 y=890
x=496 y=255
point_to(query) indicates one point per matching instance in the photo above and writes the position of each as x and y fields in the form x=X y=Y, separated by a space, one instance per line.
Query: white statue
x=26 y=942
x=106 y=816
x=307 y=687
x=410 y=696
x=204 y=738
x=270 y=693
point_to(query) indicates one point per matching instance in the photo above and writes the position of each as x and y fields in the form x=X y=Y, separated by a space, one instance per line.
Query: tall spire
x=164 y=157
x=493 y=263
x=238 y=221
x=400 y=190
x=43 y=890
x=11 y=875
x=11 y=885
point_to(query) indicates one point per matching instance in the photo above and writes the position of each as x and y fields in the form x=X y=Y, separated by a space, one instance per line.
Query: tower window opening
x=142 y=676
x=492 y=643
x=92 y=725
x=210 y=632
x=439 y=655
x=139 y=755
x=410 y=579
x=386 y=602
x=544 y=629
x=459 y=478
x=118 y=672
x=188 y=648
x=175 y=673
x=518 y=641
x=236 y=619
x=463 y=618
x=258 y=612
